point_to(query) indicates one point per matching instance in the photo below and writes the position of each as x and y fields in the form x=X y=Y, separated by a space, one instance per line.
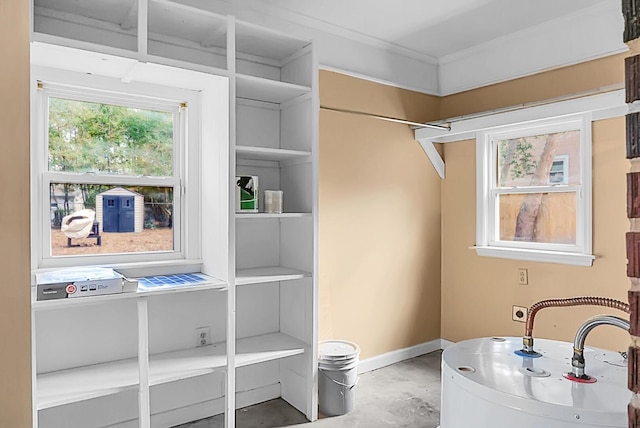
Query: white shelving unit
x=98 y=380
x=137 y=351
x=275 y=139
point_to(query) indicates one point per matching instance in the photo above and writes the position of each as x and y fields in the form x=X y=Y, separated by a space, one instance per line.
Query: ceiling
x=434 y=28
x=433 y=46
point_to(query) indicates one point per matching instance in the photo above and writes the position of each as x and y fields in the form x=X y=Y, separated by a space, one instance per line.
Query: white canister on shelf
x=273 y=201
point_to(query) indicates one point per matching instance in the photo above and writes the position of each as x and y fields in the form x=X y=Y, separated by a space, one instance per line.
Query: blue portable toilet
x=120 y=210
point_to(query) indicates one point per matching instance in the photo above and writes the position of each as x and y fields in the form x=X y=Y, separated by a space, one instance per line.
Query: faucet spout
x=577 y=362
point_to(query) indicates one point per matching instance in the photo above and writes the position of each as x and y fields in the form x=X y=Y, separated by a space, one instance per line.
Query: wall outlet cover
x=519 y=313
x=203 y=336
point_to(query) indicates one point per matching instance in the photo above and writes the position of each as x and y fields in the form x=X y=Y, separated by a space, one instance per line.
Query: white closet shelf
x=268 y=274
x=273 y=91
x=39 y=305
x=262 y=42
x=84 y=383
x=266 y=347
x=169 y=9
x=269 y=154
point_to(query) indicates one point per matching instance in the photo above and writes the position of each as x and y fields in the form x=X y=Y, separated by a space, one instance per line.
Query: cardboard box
x=246 y=194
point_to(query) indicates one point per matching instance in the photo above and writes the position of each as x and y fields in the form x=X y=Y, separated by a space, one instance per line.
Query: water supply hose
x=577 y=361
x=527 y=340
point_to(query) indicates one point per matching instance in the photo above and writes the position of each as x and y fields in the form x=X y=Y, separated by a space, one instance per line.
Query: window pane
x=538 y=217
x=104 y=138
x=103 y=219
x=539 y=160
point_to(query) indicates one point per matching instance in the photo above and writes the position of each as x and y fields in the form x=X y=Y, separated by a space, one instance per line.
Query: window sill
x=574 y=259
x=136 y=269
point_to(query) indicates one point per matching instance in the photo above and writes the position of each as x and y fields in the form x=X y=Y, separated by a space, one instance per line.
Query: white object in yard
x=78 y=224
x=337 y=376
x=485 y=384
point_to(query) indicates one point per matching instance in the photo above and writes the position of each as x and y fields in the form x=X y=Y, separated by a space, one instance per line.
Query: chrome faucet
x=577 y=362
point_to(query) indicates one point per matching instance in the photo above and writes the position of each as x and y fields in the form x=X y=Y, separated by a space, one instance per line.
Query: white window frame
x=487 y=194
x=86 y=87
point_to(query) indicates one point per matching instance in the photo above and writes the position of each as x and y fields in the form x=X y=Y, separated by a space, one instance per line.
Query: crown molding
x=306 y=21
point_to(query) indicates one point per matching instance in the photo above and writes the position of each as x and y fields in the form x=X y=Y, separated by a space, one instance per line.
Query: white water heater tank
x=485 y=384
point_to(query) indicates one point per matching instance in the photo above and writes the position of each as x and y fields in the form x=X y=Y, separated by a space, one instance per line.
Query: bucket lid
x=337 y=350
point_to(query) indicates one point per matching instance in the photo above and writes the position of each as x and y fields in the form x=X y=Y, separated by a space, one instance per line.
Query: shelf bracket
x=434 y=156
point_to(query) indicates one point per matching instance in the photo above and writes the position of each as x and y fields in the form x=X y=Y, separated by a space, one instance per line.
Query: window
x=110 y=161
x=534 y=184
x=559 y=171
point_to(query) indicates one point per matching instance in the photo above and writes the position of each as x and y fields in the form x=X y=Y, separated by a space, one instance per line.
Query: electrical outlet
x=519 y=313
x=523 y=276
x=203 y=336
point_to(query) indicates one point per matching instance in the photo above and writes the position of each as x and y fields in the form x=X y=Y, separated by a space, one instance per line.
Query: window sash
x=488 y=192
x=47 y=177
x=123 y=100
x=104 y=96
x=494 y=223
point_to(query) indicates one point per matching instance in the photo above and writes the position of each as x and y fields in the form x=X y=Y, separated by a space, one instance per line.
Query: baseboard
x=393 y=357
x=444 y=343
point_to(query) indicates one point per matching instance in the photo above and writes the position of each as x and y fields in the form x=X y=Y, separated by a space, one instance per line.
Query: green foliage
x=102 y=138
x=516 y=157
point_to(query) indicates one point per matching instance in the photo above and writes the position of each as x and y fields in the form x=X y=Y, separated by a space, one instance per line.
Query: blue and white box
x=78 y=282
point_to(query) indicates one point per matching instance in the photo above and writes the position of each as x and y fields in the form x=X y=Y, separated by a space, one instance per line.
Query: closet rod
x=388 y=119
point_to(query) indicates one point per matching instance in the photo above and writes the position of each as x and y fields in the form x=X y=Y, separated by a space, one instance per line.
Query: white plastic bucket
x=337 y=376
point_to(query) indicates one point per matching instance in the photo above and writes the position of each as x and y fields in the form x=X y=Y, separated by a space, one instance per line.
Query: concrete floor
x=406 y=394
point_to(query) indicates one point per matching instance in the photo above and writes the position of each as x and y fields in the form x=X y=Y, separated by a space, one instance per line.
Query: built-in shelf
x=268 y=274
x=39 y=305
x=99 y=380
x=266 y=347
x=247 y=216
x=269 y=45
x=273 y=91
x=269 y=154
x=84 y=383
x=273 y=79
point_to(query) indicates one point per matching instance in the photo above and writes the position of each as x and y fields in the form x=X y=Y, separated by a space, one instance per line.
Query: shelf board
x=273 y=91
x=38 y=305
x=266 y=347
x=167 y=17
x=269 y=154
x=84 y=383
x=268 y=274
x=99 y=380
x=243 y=216
x=262 y=42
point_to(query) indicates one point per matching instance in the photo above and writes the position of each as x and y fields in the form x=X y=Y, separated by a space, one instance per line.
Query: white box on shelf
x=78 y=282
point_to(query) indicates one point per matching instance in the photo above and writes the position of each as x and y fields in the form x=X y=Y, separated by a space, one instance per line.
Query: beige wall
x=379 y=219
x=15 y=319
x=478 y=292
x=601 y=73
